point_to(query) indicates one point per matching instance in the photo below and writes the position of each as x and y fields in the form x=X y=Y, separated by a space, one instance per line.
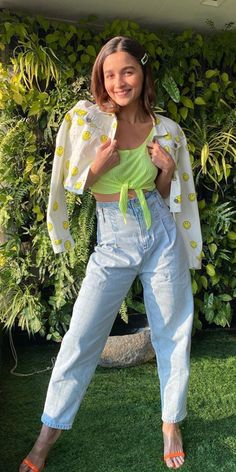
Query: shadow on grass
x=218 y=344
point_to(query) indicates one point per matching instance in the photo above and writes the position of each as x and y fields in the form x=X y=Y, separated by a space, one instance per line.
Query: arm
x=166 y=166
x=57 y=217
x=163 y=180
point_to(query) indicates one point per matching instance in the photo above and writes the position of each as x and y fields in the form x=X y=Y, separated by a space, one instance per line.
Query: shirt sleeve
x=184 y=195
x=57 y=216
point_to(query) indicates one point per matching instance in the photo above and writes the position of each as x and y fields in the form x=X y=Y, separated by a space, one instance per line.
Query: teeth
x=122 y=93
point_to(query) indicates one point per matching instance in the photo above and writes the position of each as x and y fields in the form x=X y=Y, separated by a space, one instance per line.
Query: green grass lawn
x=118 y=428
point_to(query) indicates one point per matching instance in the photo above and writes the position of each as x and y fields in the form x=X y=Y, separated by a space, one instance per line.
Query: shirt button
x=176 y=200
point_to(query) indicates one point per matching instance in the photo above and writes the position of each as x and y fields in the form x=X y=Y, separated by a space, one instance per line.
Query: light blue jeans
x=124 y=251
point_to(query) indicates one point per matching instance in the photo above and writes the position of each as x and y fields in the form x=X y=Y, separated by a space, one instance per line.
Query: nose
x=119 y=82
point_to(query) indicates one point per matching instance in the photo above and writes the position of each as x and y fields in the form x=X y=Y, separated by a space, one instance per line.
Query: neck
x=132 y=114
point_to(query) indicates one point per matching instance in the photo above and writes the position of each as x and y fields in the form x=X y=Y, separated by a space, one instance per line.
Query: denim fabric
x=124 y=251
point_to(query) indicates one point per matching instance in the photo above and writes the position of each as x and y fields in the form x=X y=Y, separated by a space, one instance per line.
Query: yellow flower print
x=103 y=138
x=57 y=242
x=55 y=206
x=78 y=185
x=86 y=135
x=158 y=120
x=114 y=124
x=80 y=112
x=177 y=139
x=67 y=164
x=178 y=199
x=80 y=122
x=185 y=176
x=65 y=224
x=168 y=136
x=167 y=148
x=75 y=171
x=67 y=245
x=187 y=224
x=193 y=244
x=60 y=151
x=50 y=226
x=68 y=118
x=192 y=197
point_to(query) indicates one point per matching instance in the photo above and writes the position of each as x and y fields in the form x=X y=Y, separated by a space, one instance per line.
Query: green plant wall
x=45 y=69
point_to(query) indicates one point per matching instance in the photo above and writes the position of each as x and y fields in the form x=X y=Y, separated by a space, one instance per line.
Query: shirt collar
x=160 y=127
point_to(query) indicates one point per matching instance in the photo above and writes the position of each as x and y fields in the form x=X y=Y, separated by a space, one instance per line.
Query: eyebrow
x=124 y=69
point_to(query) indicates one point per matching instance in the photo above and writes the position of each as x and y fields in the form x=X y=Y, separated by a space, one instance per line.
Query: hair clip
x=144 y=59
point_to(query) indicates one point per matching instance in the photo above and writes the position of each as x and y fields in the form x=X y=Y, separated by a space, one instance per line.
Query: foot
x=172 y=444
x=41 y=448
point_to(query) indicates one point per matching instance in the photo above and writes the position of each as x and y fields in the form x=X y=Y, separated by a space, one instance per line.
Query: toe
x=24 y=468
x=178 y=462
x=170 y=463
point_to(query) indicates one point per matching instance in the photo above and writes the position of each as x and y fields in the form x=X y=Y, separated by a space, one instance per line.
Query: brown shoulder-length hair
x=131 y=46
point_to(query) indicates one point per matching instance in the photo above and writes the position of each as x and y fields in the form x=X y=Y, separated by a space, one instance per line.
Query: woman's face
x=123 y=78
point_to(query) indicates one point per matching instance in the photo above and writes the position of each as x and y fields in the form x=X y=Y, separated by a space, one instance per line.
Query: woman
x=110 y=148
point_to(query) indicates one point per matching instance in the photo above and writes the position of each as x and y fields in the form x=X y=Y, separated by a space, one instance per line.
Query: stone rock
x=127 y=350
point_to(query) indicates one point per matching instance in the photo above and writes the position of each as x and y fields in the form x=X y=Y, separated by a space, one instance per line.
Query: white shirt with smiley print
x=82 y=131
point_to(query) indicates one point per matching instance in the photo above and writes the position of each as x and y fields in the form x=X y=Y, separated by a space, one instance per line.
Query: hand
x=107 y=157
x=161 y=158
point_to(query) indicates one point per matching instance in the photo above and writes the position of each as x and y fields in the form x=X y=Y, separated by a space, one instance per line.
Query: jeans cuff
x=51 y=423
x=177 y=419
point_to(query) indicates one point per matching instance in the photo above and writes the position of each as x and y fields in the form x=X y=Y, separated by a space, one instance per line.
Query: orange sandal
x=172 y=455
x=32 y=466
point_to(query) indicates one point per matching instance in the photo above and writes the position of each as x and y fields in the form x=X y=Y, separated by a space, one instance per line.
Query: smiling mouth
x=121 y=93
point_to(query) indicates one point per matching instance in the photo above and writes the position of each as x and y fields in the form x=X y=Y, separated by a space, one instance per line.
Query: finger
x=115 y=155
x=106 y=144
x=113 y=144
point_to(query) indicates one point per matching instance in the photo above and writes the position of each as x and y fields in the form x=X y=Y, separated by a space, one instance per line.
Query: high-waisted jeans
x=123 y=251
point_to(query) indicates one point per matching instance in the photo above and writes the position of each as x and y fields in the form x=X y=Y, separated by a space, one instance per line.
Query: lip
x=122 y=92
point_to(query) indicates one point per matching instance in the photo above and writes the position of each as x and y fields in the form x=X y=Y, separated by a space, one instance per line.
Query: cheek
x=108 y=86
x=138 y=83
x=105 y=85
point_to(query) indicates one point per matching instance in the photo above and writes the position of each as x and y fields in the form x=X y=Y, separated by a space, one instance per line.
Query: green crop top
x=135 y=171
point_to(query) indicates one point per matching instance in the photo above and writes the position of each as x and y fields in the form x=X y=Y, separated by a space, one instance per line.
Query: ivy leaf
x=225 y=297
x=187 y=102
x=210 y=270
x=204 y=281
x=199 y=101
x=194 y=287
x=211 y=73
x=85 y=59
x=183 y=112
x=171 y=87
x=213 y=248
x=52 y=38
x=91 y=50
x=172 y=108
x=214 y=86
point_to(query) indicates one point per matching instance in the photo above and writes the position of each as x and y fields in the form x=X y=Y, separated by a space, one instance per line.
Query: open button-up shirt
x=82 y=131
